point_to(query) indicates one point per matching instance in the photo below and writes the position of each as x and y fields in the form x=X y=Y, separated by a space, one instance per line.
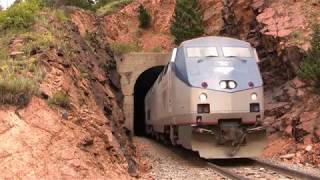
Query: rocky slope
x=281 y=32
x=82 y=139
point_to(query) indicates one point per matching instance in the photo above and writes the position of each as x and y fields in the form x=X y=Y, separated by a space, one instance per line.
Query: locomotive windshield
x=195 y=52
x=236 y=52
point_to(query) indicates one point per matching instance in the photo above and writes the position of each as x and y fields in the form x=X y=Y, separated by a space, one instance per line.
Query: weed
x=60 y=15
x=84 y=72
x=17 y=90
x=33 y=40
x=59 y=98
x=123 y=48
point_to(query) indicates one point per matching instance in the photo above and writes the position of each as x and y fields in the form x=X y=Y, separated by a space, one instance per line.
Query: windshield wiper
x=210 y=56
x=236 y=57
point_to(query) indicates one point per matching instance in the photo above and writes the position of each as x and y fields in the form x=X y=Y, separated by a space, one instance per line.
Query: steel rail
x=225 y=172
x=285 y=170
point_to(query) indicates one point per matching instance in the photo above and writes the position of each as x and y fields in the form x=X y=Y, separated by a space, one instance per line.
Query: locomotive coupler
x=236 y=145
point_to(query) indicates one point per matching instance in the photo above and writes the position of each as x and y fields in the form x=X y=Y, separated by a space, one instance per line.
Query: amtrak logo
x=223 y=70
x=223 y=63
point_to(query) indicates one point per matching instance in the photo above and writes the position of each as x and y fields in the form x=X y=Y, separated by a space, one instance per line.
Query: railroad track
x=257 y=169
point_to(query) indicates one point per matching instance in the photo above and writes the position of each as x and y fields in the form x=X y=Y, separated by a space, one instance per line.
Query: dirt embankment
x=281 y=32
x=85 y=140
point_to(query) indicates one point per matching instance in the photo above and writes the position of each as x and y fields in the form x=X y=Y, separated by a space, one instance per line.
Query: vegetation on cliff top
x=20 y=15
x=187 y=20
x=25 y=31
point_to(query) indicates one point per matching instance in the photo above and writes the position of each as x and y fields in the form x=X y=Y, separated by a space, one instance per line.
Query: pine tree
x=187 y=20
x=310 y=68
x=144 y=17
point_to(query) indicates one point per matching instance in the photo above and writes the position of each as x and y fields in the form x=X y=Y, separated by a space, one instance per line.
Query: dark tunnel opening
x=142 y=85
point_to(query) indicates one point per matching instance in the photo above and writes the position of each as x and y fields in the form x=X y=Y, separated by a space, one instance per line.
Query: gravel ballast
x=173 y=163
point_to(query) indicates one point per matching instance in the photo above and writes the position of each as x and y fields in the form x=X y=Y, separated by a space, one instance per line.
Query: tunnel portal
x=142 y=86
x=137 y=72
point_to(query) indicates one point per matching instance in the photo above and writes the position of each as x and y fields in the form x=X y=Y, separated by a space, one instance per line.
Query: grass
x=124 y=48
x=32 y=40
x=17 y=90
x=20 y=75
x=84 y=72
x=112 y=6
x=157 y=49
x=60 y=15
x=59 y=98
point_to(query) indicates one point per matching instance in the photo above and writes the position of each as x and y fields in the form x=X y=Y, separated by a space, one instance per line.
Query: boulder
x=308 y=116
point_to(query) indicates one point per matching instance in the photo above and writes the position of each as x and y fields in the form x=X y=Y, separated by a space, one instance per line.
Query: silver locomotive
x=209 y=99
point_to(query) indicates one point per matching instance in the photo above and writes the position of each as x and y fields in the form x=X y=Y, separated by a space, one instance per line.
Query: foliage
x=59 y=98
x=144 y=17
x=20 y=16
x=60 y=15
x=35 y=40
x=84 y=4
x=123 y=48
x=17 y=90
x=187 y=20
x=112 y=6
x=310 y=68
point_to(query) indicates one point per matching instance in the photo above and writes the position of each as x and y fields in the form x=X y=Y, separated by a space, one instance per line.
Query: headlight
x=254 y=96
x=232 y=84
x=223 y=84
x=203 y=97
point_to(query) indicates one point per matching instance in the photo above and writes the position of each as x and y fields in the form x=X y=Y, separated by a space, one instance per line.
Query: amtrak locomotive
x=209 y=99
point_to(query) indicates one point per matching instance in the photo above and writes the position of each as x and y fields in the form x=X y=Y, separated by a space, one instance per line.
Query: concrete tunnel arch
x=133 y=68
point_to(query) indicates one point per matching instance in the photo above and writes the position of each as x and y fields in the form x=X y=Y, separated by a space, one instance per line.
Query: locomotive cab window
x=236 y=52
x=196 y=52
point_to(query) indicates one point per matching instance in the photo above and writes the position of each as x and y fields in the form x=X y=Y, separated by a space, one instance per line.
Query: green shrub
x=310 y=68
x=17 y=90
x=123 y=48
x=187 y=20
x=59 y=98
x=19 y=16
x=144 y=17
